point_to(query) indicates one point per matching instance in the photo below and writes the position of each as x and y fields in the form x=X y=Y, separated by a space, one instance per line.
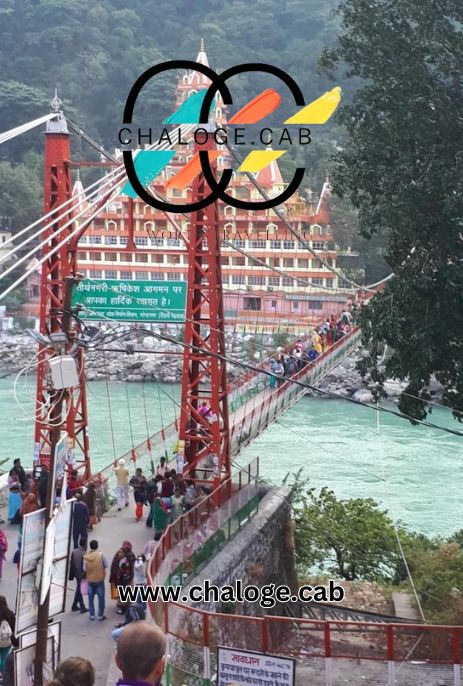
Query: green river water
x=414 y=472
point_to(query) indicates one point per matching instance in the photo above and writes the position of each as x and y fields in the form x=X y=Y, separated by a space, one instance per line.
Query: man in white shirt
x=122 y=488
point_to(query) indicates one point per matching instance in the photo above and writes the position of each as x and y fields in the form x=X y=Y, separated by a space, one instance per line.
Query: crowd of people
x=289 y=362
x=162 y=497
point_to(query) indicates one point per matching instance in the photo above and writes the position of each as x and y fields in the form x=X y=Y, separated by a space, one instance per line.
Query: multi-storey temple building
x=253 y=293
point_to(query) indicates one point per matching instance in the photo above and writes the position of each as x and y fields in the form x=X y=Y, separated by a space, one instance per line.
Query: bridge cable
x=23 y=128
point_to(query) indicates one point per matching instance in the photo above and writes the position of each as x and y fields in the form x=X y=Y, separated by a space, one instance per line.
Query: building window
x=329 y=283
x=123 y=240
x=82 y=256
x=95 y=257
x=157 y=258
x=239 y=244
x=289 y=245
x=238 y=279
x=252 y=304
x=318 y=245
x=141 y=240
x=96 y=240
x=301 y=245
x=225 y=260
x=110 y=257
x=157 y=241
x=238 y=261
x=225 y=279
x=287 y=281
x=174 y=276
x=140 y=276
x=256 y=280
x=274 y=261
x=275 y=245
x=274 y=304
x=288 y=262
x=157 y=276
x=141 y=257
x=257 y=244
x=317 y=264
x=111 y=225
x=273 y=280
x=173 y=242
x=173 y=259
x=303 y=264
x=111 y=274
x=342 y=283
x=316 y=282
x=83 y=239
x=315 y=305
x=295 y=304
x=110 y=240
x=126 y=275
x=95 y=273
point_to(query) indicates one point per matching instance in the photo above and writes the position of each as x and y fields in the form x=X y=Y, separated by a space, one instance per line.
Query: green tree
x=401 y=167
x=353 y=539
x=20 y=192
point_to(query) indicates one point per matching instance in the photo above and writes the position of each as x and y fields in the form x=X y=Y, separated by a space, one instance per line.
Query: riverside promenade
x=80 y=636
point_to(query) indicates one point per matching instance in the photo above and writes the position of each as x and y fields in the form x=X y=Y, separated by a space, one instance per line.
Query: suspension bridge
x=242 y=410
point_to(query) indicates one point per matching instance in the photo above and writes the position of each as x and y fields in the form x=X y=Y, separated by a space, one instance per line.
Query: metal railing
x=327 y=653
x=188 y=534
x=273 y=404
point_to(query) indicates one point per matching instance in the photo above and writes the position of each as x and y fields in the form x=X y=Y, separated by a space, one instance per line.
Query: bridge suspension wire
x=114 y=176
x=53 y=235
x=396 y=531
x=74 y=199
x=290 y=227
x=22 y=128
x=302 y=384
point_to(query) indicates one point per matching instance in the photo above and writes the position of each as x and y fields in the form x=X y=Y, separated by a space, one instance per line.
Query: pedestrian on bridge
x=122 y=488
x=139 y=484
x=122 y=572
x=95 y=566
x=81 y=520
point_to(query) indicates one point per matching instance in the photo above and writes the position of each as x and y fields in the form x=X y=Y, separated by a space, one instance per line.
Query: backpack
x=5 y=634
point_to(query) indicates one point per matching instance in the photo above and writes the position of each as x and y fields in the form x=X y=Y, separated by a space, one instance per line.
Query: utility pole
x=56 y=420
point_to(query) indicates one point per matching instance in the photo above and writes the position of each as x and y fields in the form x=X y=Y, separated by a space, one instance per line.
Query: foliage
x=20 y=192
x=353 y=539
x=93 y=53
x=402 y=169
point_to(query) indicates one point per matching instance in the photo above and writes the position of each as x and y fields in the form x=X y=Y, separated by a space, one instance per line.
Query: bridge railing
x=189 y=533
x=267 y=410
x=327 y=653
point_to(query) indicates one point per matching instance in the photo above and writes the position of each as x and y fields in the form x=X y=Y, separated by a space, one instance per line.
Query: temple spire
x=202 y=56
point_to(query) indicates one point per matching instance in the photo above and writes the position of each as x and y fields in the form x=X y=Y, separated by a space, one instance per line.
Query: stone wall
x=261 y=553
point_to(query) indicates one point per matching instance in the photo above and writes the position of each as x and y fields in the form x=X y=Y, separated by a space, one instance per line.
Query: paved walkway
x=80 y=636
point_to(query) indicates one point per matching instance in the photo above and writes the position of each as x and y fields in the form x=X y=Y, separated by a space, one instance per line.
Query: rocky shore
x=346 y=380
x=153 y=361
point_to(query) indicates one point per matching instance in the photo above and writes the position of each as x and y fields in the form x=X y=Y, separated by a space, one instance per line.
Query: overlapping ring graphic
x=218 y=84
